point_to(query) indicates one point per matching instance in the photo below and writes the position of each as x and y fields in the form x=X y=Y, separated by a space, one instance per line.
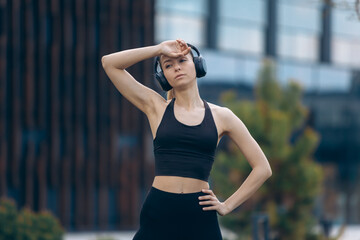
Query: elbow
x=263 y=172
x=104 y=61
x=268 y=172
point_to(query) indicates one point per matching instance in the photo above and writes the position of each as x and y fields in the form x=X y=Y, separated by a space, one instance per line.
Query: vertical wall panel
x=3 y=97
x=91 y=120
x=80 y=136
x=29 y=132
x=39 y=10
x=69 y=142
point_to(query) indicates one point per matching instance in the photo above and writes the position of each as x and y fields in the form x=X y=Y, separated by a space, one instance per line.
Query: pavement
x=125 y=235
x=351 y=232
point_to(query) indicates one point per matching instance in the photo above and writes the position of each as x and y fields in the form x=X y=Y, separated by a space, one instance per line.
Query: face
x=178 y=71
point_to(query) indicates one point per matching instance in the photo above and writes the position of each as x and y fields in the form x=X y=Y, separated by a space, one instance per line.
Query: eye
x=168 y=65
x=183 y=60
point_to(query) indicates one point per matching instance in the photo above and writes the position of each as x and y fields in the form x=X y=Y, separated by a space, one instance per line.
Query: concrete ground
x=352 y=232
x=125 y=235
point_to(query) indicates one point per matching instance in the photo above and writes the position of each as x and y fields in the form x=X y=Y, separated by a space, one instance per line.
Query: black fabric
x=176 y=216
x=183 y=150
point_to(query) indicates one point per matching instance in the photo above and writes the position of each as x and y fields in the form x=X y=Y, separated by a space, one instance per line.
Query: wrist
x=228 y=206
x=158 y=49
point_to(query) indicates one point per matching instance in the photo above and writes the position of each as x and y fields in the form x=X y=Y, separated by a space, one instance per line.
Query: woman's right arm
x=114 y=64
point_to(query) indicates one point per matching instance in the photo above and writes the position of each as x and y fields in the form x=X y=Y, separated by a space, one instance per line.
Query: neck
x=188 y=99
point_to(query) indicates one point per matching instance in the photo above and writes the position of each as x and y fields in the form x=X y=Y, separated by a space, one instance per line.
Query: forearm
x=251 y=184
x=127 y=58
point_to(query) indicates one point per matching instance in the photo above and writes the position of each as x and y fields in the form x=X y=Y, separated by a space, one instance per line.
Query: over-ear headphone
x=200 y=67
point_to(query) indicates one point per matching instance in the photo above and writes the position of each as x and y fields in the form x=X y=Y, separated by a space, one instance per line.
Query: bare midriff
x=175 y=184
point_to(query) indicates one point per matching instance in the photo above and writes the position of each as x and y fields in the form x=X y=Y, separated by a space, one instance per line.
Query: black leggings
x=176 y=216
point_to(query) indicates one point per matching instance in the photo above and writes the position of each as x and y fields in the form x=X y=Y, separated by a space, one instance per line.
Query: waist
x=175 y=184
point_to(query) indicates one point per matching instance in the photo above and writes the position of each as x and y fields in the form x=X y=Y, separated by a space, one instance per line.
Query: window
x=240 y=26
x=183 y=19
x=301 y=73
x=299 y=29
x=331 y=79
x=346 y=39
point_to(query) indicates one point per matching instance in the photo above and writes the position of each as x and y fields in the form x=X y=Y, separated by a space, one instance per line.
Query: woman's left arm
x=261 y=169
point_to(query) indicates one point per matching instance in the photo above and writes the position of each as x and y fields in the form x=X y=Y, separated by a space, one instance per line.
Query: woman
x=186 y=131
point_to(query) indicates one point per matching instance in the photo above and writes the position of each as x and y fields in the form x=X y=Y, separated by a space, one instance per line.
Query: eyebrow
x=167 y=60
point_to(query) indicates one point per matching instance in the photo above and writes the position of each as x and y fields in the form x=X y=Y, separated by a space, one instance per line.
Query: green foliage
x=288 y=195
x=8 y=214
x=27 y=225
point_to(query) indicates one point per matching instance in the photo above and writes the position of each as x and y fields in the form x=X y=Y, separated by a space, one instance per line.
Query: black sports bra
x=183 y=150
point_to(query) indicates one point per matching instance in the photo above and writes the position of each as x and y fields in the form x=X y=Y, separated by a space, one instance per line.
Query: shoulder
x=223 y=115
x=222 y=112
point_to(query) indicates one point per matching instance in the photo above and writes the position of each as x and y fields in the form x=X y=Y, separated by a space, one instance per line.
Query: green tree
x=8 y=215
x=288 y=195
x=27 y=225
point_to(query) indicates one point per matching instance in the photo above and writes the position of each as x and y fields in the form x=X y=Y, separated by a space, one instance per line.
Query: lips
x=180 y=75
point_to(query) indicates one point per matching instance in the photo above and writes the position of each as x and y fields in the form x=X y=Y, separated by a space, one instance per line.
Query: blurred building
x=315 y=44
x=69 y=142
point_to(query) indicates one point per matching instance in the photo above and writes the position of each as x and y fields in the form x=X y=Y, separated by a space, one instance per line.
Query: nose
x=177 y=66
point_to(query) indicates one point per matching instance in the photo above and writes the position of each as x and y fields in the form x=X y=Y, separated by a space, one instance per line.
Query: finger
x=186 y=51
x=207 y=197
x=208 y=191
x=209 y=208
x=175 y=55
x=207 y=203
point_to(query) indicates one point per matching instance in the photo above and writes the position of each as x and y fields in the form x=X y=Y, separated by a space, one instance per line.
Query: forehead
x=164 y=58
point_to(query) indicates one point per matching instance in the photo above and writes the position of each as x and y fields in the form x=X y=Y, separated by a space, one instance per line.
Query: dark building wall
x=69 y=142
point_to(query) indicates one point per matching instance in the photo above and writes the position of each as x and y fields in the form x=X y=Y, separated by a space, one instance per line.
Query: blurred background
x=71 y=145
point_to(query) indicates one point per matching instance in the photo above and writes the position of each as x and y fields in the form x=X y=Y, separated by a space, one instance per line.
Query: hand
x=174 y=48
x=220 y=207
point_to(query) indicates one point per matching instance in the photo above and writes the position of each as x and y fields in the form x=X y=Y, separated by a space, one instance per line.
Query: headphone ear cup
x=200 y=66
x=163 y=81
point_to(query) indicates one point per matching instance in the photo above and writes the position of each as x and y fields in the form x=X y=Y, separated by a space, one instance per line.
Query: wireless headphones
x=200 y=67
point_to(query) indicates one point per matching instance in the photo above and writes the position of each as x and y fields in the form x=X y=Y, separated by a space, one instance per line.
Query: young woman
x=186 y=131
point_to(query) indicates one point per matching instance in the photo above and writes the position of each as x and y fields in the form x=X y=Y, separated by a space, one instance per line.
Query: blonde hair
x=170 y=94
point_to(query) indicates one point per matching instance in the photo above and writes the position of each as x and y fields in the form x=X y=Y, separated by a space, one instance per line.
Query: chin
x=183 y=84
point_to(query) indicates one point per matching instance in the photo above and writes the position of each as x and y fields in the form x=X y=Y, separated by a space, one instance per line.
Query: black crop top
x=183 y=150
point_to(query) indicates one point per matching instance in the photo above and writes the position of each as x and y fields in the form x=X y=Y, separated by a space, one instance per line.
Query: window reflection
x=241 y=39
x=299 y=29
x=346 y=39
x=184 y=19
x=251 y=10
x=301 y=45
x=174 y=27
x=231 y=68
x=240 y=25
x=333 y=80
x=303 y=74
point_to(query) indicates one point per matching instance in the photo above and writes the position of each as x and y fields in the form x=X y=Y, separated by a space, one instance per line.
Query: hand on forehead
x=163 y=58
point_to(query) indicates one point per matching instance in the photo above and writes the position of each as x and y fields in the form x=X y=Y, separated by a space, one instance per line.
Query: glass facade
x=298 y=30
x=241 y=26
x=184 y=19
x=346 y=38
x=241 y=40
